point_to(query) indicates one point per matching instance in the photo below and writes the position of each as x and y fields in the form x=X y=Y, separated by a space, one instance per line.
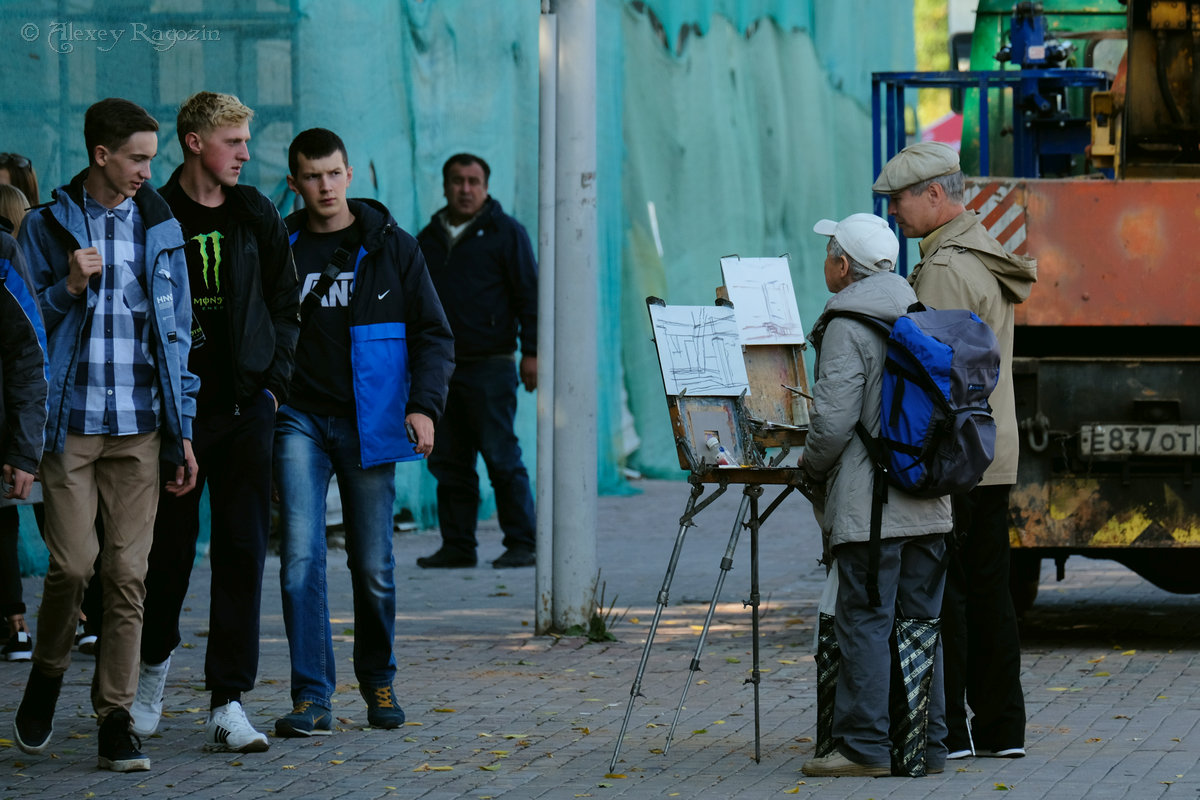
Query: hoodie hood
x=884 y=295
x=1015 y=274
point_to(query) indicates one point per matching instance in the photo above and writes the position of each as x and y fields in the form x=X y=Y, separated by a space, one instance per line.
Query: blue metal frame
x=888 y=134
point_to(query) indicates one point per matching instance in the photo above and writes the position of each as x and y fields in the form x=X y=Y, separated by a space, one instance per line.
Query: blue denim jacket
x=48 y=237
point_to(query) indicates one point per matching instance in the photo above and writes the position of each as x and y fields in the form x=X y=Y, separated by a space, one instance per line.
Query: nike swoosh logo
x=385 y=294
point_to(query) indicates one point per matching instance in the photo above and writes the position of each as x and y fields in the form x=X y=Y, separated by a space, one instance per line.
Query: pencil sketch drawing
x=699 y=350
x=764 y=300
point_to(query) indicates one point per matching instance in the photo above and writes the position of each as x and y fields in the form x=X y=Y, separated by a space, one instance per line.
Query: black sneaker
x=516 y=558
x=34 y=722
x=382 y=711
x=117 y=749
x=19 y=647
x=446 y=559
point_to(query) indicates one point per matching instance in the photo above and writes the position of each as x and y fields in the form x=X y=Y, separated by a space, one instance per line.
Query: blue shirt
x=116 y=383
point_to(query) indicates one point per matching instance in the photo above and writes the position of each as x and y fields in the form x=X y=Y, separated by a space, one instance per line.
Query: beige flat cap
x=916 y=163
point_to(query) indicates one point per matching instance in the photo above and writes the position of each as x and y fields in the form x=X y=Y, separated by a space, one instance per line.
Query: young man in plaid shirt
x=107 y=261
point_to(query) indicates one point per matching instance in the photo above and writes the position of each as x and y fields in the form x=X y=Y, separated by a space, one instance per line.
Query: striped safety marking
x=1001 y=214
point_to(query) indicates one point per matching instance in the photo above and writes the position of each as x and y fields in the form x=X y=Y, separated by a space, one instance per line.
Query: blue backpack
x=936 y=432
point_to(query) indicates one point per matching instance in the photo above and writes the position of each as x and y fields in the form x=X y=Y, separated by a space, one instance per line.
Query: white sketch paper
x=699 y=350
x=762 y=295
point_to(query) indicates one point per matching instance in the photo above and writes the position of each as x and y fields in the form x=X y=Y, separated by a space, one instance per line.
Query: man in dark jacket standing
x=372 y=364
x=482 y=264
x=244 y=325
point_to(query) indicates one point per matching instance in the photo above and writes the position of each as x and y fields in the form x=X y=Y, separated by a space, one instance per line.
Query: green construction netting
x=741 y=121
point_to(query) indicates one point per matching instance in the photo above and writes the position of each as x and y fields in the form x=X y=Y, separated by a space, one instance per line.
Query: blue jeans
x=480 y=410
x=309 y=448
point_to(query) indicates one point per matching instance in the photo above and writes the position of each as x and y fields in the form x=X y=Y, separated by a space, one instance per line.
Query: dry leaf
x=786 y=661
x=700 y=730
x=445 y=710
x=732 y=660
x=441 y=769
x=491 y=767
x=337 y=761
x=1001 y=787
x=701 y=683
x=794 y=790
x=1094 y=740
x=614 y=775
x=1101 y=674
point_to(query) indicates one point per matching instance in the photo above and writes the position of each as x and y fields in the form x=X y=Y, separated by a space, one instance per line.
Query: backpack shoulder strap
x=879 y=496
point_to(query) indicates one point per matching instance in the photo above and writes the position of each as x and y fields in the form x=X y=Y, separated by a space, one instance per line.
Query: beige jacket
x=962 y=266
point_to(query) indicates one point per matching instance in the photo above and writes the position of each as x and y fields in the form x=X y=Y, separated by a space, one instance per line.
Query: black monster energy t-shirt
x=322 y=383
x=205 y=233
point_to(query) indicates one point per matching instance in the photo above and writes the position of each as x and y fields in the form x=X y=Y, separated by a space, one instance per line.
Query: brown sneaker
x=838 y=766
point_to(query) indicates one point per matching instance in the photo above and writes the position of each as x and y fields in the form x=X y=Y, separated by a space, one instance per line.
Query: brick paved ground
x=1109 y=672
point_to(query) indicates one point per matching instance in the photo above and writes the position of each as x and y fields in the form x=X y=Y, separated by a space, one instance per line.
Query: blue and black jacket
x=401 y=348
x=22 y=363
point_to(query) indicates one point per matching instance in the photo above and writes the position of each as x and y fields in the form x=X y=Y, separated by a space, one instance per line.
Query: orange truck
x=1107 y=348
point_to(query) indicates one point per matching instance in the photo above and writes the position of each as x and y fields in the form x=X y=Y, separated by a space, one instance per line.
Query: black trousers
x=980 y=641
x=234 y=456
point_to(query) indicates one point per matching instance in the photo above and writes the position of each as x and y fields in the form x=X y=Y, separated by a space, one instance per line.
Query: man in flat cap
x=860 y=257
x=962 y=266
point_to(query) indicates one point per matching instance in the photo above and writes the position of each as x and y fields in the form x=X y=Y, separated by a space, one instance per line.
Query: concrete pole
x=547 y=107
x=575 y=292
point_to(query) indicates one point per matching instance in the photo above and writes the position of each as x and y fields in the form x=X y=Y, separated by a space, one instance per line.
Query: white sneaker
x=146 y=709
x=228 y=731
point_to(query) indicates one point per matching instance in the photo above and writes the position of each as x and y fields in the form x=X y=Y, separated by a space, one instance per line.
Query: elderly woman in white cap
x=859 y=262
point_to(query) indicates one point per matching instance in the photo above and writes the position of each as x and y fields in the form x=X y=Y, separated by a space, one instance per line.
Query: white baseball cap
x=866 y=238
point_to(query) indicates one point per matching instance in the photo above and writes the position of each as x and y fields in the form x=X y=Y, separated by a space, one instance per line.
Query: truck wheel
x=1024 y=572
x=1173 y=569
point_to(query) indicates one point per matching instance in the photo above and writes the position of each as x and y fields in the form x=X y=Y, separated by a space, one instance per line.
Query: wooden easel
x=772 y=416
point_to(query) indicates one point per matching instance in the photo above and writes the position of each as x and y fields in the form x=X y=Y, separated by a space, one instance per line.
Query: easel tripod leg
x=663 y=600
x=726 y=565
x=755 y=675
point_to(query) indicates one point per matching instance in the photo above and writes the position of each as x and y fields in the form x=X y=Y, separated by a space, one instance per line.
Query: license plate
x=1106 y=439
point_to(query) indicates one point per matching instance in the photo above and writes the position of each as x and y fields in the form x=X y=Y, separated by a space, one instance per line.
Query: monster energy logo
x=202 y=239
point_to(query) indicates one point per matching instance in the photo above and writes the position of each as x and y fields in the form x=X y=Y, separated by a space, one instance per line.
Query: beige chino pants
x=120 y=476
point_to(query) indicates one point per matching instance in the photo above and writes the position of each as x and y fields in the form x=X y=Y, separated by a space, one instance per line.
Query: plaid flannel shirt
x=116 y=382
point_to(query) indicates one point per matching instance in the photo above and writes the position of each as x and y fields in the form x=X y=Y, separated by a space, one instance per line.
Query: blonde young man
x=244 y=327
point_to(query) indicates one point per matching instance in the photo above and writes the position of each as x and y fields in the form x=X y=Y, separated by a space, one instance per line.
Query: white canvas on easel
x=699 y=350
x=764 y=300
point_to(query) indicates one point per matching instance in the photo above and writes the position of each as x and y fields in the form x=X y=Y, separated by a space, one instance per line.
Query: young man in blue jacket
x=481 y=261
x=245 y=320
x=106 y=258
x=22 y=424
x=372 y=364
